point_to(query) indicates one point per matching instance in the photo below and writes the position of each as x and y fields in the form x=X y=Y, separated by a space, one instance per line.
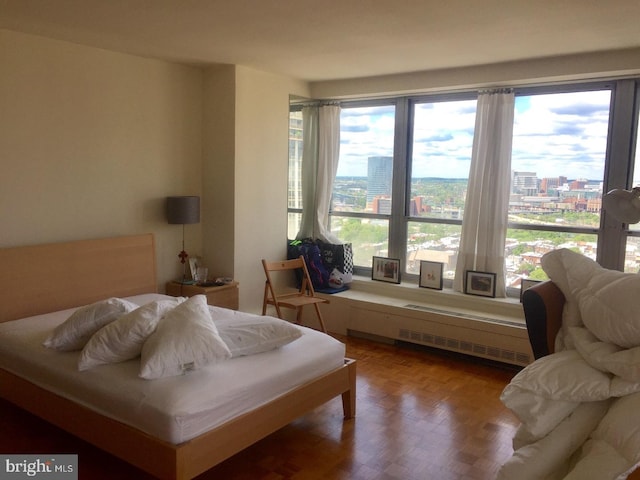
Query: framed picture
x=480 y=283
x=194 y=263
x=526 y=283
x=431 y=274
x=386 y=269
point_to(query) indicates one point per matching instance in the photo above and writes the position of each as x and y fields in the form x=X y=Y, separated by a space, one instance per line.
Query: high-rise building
x=525 y=183
x=379 y=175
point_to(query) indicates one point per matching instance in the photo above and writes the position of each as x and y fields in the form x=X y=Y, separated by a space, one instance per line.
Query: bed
x=578 y=401
x=72 y=274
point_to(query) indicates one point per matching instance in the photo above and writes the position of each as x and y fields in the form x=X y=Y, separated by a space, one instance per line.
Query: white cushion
x=247 y=334
x=76 y=331
x=123 y=338
x=186 y=339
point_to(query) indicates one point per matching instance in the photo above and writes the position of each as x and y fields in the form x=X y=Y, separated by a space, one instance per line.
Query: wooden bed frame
x=543 y=305
x=46 y=278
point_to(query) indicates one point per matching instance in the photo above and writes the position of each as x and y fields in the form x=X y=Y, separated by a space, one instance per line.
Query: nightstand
x=225 y=296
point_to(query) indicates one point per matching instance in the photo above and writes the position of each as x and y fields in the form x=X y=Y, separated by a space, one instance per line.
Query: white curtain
x=328 y=154
x=309 y=169
x=321 y=150
x=484 y=225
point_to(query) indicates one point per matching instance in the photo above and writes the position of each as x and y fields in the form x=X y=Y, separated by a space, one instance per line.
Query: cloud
x=558 y=134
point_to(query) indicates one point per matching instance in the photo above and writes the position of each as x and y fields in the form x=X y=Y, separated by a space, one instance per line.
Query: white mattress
x=173 y=409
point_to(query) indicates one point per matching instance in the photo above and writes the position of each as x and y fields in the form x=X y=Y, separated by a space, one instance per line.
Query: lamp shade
x=623 y=205
x=183 y=210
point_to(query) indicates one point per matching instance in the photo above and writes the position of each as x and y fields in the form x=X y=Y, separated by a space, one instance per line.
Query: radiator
x=473 y=334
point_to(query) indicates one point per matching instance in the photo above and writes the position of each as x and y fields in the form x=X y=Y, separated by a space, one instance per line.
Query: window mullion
x=612 y=241
x=397 y=223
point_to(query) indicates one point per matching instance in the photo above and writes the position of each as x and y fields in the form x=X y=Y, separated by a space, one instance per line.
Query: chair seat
x=299 y=301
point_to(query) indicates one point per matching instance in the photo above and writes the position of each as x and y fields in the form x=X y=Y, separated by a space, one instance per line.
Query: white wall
x=91 y=143
x=218 y=202
x=587 y=66
x=261 y=166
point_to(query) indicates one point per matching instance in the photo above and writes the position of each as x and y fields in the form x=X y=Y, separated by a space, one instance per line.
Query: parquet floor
x=420 y=415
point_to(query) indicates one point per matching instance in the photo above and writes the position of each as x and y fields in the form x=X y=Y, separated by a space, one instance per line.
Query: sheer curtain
x=321 y=151
x=309 y=169
x=485 y=220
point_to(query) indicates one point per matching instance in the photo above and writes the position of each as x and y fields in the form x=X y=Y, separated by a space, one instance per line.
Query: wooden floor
x=420 y=415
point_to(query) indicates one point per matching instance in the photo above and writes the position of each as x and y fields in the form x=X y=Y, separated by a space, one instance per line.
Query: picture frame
x=526 y=283
x=386 y=269
x=480 y=283
x=194 y=263
x=431 y=274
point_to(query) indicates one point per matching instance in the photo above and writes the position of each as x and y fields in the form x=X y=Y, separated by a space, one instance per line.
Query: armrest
x=543 y=304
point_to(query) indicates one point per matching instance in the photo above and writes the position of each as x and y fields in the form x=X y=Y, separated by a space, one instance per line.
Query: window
x=558 y=162
x=362 y=198
x=295 y=172
x=404 y=164
x=632 y=249
x=442 y=140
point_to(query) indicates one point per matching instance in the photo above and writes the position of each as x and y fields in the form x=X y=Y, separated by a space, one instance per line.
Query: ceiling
x=317 y=40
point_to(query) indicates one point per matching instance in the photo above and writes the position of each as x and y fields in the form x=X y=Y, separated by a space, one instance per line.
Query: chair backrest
x=306 y=287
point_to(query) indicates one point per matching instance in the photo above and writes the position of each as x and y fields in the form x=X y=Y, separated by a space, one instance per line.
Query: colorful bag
x=312 y=257
x=338 y=257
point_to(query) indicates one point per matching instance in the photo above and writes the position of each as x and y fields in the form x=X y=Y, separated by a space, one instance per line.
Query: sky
x=561 y=134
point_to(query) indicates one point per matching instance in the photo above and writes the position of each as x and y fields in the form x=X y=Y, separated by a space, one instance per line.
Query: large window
x=404 y=165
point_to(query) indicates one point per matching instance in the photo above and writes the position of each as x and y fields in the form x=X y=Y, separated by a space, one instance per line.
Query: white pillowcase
x=186 y=339
x=76 y=331
x=123 y=338
x=247 y=334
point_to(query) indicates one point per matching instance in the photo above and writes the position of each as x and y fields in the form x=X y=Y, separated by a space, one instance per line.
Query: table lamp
x=183 y=210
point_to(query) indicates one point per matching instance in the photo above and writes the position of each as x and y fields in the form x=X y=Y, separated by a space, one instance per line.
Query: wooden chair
x=294 y=300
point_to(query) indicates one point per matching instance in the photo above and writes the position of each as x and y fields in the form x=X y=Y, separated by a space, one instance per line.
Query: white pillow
x=76 y=331
x=257 y=334
x=123 y=338
x=186 y=339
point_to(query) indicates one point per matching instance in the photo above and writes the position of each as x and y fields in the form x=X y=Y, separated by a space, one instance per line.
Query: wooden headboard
x=45 y=278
